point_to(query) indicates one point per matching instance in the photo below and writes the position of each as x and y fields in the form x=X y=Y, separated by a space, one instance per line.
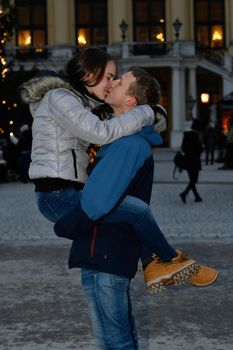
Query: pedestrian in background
x=192 y=148
x=24 y=147
x=209 y=143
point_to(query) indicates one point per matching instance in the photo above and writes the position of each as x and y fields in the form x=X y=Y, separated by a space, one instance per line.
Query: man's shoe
x=204 y=277
x=158 y=274
x=198 y=199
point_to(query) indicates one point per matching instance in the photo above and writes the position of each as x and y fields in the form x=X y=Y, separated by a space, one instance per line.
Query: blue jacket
x=110 y=178
x=115 y=248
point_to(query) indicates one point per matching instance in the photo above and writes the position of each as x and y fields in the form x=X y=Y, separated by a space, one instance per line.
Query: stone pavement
x=42 y=306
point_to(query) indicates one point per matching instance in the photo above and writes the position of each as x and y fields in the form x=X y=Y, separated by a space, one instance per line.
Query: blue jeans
x=53 y=205
x=110 y=310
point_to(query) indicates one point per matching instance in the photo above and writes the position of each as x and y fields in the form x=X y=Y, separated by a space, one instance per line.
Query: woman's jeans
x=110 y=310
x=53 y=205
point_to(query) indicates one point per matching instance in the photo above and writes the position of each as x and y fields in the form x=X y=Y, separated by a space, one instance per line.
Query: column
x=178 y=106
x=193 y=89
x=60 y=20
x=118 y=10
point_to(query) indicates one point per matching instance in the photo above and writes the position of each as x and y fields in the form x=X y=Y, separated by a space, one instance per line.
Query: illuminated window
x=149 y=19
x=209 y=23
x=91 y=22
x=149 y=24
x=31 y=29
x=216 y=36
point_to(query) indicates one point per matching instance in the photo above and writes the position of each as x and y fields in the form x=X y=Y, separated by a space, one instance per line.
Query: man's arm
x=106 y=185
x=112 y=175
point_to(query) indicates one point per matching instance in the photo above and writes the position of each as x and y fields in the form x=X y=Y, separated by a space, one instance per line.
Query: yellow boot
x=158 y=274
x=204 y=277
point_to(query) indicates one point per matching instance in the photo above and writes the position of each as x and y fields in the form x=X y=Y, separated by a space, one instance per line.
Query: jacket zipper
x=94 y=233
x=74 y=162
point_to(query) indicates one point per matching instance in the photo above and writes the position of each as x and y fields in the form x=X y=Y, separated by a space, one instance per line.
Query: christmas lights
x=6 y=31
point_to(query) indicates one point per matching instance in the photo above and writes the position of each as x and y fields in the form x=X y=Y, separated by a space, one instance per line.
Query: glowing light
x=11 y=122
x=11 y=134
x=3 y=102
x=15 y=105
x=82 y=40
x=3 y=61
x=205 y=98
x=25 y=38
x=216 y=36
x=160 y=37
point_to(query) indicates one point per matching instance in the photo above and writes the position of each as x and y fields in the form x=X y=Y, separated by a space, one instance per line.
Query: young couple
x=63 y=127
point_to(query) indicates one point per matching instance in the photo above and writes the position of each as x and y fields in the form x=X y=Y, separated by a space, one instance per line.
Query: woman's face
x=105 y=85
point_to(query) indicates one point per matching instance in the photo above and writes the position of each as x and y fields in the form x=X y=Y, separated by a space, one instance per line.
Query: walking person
x=209 y=143
x=24 y=144
x=192 y=148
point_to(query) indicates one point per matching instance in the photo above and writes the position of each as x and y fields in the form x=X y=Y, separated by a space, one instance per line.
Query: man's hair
x=146 y=88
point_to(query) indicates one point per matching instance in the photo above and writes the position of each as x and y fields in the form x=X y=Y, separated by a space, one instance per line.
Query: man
x=109 y=253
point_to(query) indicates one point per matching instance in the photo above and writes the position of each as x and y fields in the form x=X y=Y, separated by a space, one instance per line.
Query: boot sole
x=175 y=278
x=205 y=284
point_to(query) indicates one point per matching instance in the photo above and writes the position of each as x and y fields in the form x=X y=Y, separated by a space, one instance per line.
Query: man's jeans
x=54 y=205
x=110 y=309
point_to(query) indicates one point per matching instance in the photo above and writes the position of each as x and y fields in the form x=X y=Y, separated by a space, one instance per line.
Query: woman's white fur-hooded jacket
x=63 y=127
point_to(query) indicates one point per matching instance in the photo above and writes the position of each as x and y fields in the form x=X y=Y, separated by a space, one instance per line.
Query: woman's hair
x=146 y=88
x=91 y=60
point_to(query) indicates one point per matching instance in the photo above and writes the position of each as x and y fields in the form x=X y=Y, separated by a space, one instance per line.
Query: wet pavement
x=42 y=306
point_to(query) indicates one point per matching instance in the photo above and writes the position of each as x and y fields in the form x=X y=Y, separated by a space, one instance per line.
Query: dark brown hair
x=146 y=88
x=91 y=60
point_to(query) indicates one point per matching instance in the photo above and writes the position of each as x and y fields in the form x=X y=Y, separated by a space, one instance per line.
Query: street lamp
x=177 y=25
x=190 y=103
x=123 y=27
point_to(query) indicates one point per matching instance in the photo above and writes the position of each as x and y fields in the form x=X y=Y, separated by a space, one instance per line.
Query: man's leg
x=110 y=310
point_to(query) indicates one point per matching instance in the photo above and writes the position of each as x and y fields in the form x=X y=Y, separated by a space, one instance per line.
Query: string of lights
x=6 y=31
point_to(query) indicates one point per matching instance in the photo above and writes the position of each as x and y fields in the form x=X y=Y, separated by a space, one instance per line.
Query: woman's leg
x=137 y=213
x=168 y=266
x=193 y=181
x=55 y=204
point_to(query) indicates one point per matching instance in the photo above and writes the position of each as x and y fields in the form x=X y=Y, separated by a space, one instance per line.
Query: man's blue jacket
x=124 y=167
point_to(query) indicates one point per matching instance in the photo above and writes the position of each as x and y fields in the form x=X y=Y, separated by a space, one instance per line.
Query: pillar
x=193 y=89
x=178 y=106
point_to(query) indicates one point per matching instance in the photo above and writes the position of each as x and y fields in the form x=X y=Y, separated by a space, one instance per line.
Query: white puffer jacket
x=63 y=128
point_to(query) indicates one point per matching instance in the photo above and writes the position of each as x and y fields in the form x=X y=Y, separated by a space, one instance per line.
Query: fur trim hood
x=34 y=89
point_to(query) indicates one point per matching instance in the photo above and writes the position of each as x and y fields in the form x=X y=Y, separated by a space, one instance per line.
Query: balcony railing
x=55 y=55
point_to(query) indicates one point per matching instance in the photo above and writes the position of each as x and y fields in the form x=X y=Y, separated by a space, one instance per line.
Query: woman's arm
x=70 y=113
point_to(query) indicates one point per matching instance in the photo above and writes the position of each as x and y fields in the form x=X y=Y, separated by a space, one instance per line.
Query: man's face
x=117 y=97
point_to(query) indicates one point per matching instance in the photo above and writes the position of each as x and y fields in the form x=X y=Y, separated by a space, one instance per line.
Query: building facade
x=186 y=44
